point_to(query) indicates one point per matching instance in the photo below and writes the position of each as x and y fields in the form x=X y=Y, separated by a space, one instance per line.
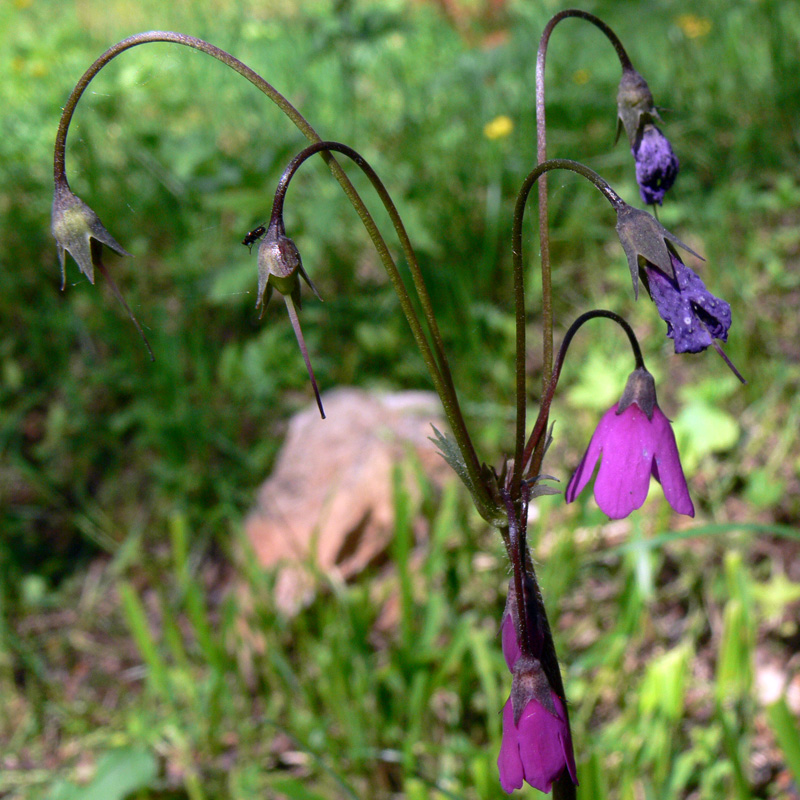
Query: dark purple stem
x=547 y=398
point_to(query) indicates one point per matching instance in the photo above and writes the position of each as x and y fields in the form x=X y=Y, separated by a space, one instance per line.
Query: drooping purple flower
x=536 y=745
x=636 y=442
x=693 y=315
x=656 y=165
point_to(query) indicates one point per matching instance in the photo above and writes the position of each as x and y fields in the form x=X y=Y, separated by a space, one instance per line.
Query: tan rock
x=328 y=506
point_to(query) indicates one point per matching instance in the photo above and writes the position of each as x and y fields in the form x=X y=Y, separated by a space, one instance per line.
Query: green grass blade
x=135 y=616
x=784 y=726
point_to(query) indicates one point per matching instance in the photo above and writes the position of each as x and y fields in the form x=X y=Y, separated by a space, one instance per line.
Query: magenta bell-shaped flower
x=537 y=749
x=536 y=746
x=636 y=442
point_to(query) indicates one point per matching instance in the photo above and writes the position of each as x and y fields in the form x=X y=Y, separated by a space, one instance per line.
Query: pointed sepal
x=79 y=232
x=645 y=239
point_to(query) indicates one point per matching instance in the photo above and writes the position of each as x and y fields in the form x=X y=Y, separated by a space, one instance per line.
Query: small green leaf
x=702 y=428
x=295 y=789
x=452 y=455
x=763 y=488
x=735 y=662
x=119 y=773
x=601 y=381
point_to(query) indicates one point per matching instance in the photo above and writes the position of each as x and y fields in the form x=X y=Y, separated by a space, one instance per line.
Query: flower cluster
x=633 y=442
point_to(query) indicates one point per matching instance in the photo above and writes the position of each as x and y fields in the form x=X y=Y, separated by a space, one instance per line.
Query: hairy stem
x=174 y=38
x=517 y=553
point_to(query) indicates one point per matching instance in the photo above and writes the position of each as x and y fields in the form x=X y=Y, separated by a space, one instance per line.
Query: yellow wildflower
x=693 y=26
x=581 y=76
x=498 y=128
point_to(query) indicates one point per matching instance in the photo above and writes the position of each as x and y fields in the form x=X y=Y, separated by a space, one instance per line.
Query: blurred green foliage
x=103 y=452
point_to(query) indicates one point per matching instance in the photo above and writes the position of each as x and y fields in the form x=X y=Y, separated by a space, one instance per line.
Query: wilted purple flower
x=536 y=745
x=656 y=165
x=635 y=441
x=693 y=315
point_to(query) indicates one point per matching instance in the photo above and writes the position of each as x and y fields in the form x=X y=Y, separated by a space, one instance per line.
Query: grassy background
x=139 y=649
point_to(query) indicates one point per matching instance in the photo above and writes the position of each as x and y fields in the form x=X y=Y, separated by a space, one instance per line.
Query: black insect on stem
x=253 y=236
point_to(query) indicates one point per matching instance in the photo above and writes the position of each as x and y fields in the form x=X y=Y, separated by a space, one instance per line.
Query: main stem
x=519 y=294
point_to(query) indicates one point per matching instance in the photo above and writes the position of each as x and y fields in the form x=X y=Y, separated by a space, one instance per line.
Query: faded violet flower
x=693 y=315
x=536 y=745
x=636 y=442
x=656 y=165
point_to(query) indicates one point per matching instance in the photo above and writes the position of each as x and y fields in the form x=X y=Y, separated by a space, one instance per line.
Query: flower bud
x=536 y=745
x=78 y=231
x=279 y=265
